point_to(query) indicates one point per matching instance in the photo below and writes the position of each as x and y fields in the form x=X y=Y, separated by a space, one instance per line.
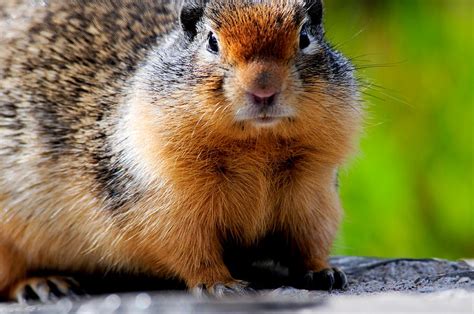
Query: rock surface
x=375 y=285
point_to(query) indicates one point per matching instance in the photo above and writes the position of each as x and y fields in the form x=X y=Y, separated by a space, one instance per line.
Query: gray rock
x=375 y=285
x=367 y=275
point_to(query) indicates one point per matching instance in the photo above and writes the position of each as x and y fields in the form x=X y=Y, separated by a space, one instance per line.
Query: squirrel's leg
x=12 y=268
x=311 y=223
x=16 y=285
x=312 y=241
x=197 y=259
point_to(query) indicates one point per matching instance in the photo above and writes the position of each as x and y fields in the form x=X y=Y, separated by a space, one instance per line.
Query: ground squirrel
x=151 y=136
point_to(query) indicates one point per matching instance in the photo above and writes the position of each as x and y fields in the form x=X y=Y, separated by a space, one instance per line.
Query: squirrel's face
x=262 y=65
x=257 y=45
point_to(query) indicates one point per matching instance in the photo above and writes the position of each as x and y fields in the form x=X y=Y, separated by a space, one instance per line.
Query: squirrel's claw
x=46 y=289
x=326 y=279
x=234 y=288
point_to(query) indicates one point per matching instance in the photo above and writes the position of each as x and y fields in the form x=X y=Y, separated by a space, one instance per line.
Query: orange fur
x=12 y=267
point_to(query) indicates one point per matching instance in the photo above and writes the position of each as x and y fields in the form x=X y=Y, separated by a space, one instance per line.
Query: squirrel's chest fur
x=245 y=188
x=242 y=188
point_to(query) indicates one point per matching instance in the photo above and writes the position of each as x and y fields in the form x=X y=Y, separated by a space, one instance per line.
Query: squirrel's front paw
x=326 y=279
x=232 y=288
x=45 y=289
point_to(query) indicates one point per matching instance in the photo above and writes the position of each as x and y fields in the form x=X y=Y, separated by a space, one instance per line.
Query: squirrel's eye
x=212 y=45
x=305 y=41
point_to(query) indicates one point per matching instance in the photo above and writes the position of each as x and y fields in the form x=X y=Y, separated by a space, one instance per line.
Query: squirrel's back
x=64 y=68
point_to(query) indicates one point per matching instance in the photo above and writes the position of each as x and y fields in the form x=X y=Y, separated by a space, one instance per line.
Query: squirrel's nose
x=263 y=98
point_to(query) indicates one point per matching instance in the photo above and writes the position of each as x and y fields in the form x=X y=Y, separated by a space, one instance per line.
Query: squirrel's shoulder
x=82 y=33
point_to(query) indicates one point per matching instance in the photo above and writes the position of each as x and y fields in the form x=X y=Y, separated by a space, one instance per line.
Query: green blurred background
x=409 y=191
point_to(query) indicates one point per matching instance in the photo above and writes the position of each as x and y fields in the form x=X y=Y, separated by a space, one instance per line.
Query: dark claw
x=326 y=279
x=53 y=290
x=27 y=295
x=74 y=290
x=341 y=279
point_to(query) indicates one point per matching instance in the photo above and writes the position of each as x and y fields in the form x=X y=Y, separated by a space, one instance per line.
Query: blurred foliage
x=409 y=190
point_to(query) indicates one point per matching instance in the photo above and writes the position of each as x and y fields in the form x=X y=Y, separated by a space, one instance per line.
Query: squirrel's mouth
x=266 y=120
x=265 y=117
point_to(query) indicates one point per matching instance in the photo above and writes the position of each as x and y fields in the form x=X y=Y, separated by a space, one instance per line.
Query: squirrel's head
x=251 y=66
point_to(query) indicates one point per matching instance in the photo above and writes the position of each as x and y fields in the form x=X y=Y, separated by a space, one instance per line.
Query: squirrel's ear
x=191 y=13
x=314 y=9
